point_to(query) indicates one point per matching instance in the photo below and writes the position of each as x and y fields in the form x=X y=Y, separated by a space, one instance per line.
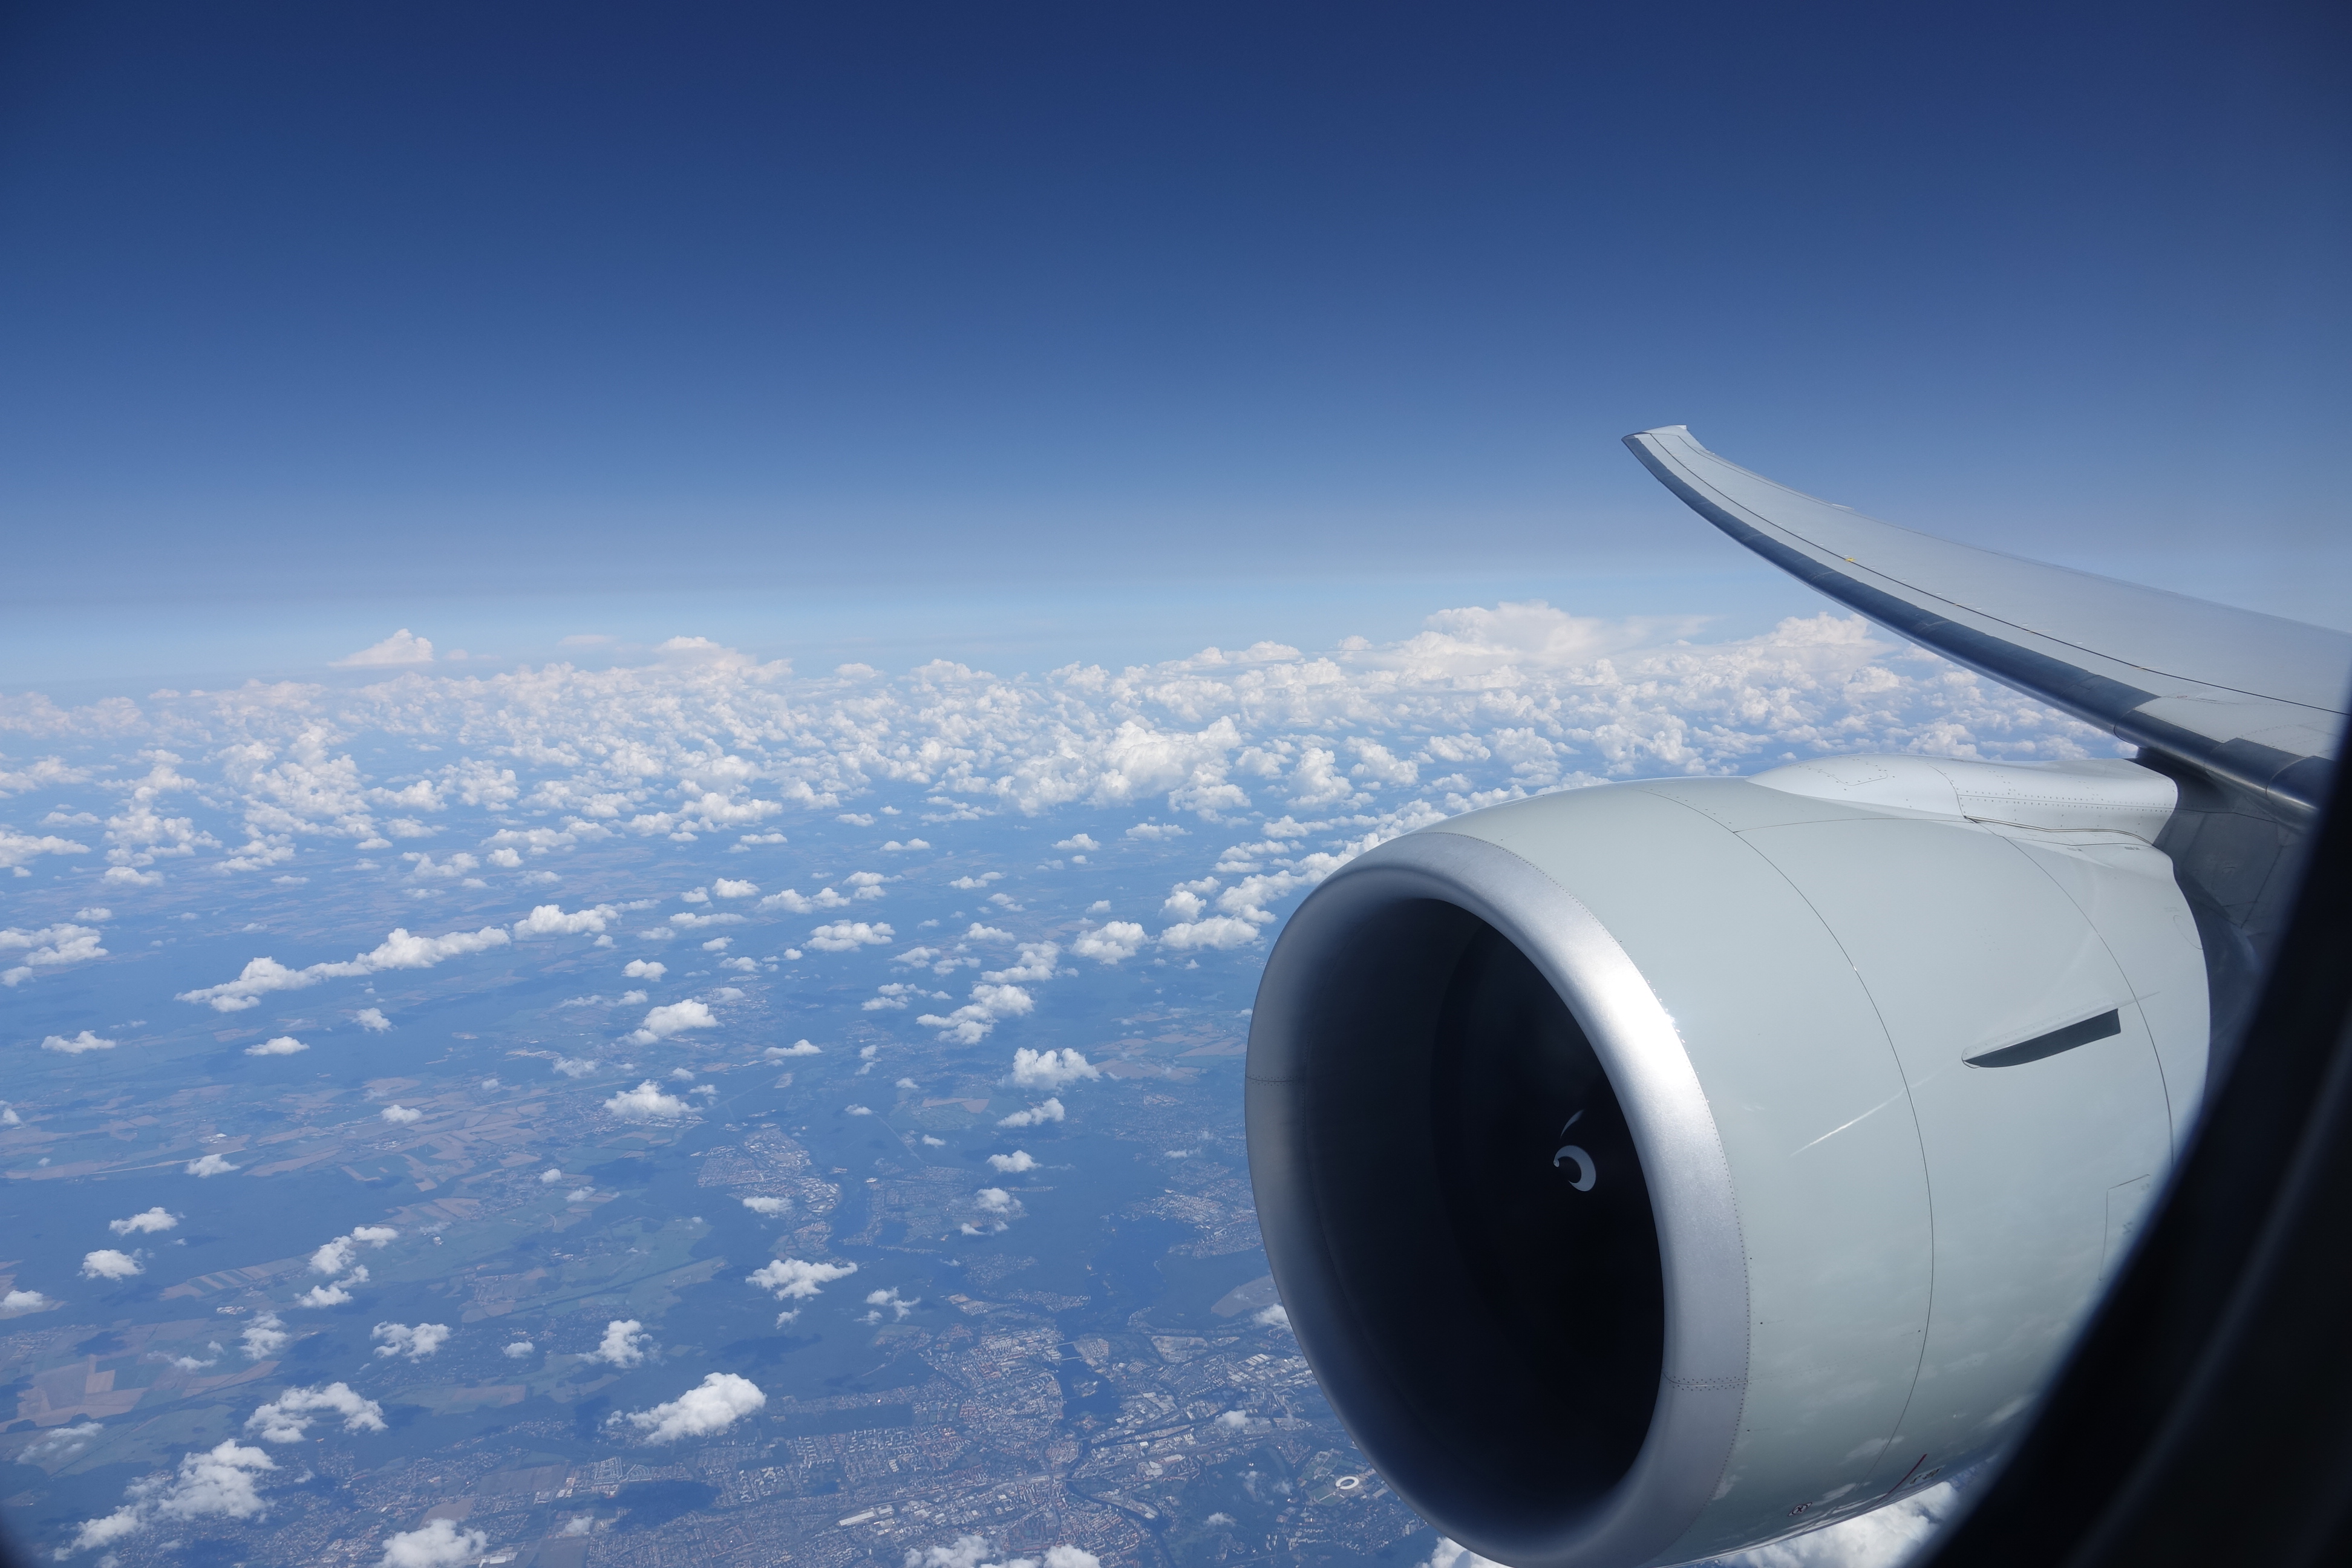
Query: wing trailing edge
x=2253 y=699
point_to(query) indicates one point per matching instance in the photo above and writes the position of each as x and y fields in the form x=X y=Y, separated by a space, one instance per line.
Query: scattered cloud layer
x=1250 y=776
x=1485 y=703
x=214 y=1483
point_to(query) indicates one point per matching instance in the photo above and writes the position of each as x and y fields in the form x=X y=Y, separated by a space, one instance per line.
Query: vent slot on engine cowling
x=1483 y=1212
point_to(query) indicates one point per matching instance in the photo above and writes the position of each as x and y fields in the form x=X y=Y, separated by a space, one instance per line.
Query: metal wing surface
x=2253 y=699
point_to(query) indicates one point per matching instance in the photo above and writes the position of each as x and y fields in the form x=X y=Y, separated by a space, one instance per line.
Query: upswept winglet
x=2253 y=699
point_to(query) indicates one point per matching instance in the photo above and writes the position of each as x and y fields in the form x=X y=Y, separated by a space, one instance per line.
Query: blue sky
x=1029 y=332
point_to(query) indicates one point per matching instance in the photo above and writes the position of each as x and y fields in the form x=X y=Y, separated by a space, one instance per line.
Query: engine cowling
x=1653 y=1170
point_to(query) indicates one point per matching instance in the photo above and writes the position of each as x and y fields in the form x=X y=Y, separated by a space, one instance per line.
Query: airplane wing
x=2250 y=698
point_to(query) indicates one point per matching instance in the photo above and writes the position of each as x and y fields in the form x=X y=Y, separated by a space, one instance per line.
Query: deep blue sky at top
x=380 y=308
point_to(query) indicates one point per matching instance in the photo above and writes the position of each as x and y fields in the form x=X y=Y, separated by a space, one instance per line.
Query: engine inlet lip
x=1704 y=1379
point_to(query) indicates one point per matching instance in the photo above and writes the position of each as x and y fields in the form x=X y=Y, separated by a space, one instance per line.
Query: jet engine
x=1653 y=1170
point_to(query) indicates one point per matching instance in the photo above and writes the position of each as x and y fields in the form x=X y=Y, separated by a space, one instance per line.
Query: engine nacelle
x=1653 y=1170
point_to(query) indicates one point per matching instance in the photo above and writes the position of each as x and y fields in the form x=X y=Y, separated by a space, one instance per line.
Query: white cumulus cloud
x=288 y=1417
x=85 y=1041
x=794 y=901
x=279 y=1046
x=1217 y=933
x=623 y=1344
x=146 y=1221
x=1109 y=942
x=899 y=1306
x=20 y=848
x=402 y=647
x=47 y=947
x=846 y=936
x=1048 y=1110
x=215 y=1483
x=797 y=1280
x=265 y=1337
x=549 y=920
x=672 y=1018
x=108 y=1264
x=646 y=1103
x=338 y=1255
x=1893 y=1533
x=971 y=1023
x=398 y=950
x=61 y=1445
x=719 y=1401
x=1037 y=962
x=435 y=1543
x=210 y=1165
x=335 y=1292
x=973 y=1551
x=415 y=1342
x=1050 y=1069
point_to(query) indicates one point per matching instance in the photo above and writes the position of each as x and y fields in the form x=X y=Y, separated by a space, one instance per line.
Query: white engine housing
x=1873 y=1062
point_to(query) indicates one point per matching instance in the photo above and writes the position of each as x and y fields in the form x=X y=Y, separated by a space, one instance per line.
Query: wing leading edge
x=2250 y=698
